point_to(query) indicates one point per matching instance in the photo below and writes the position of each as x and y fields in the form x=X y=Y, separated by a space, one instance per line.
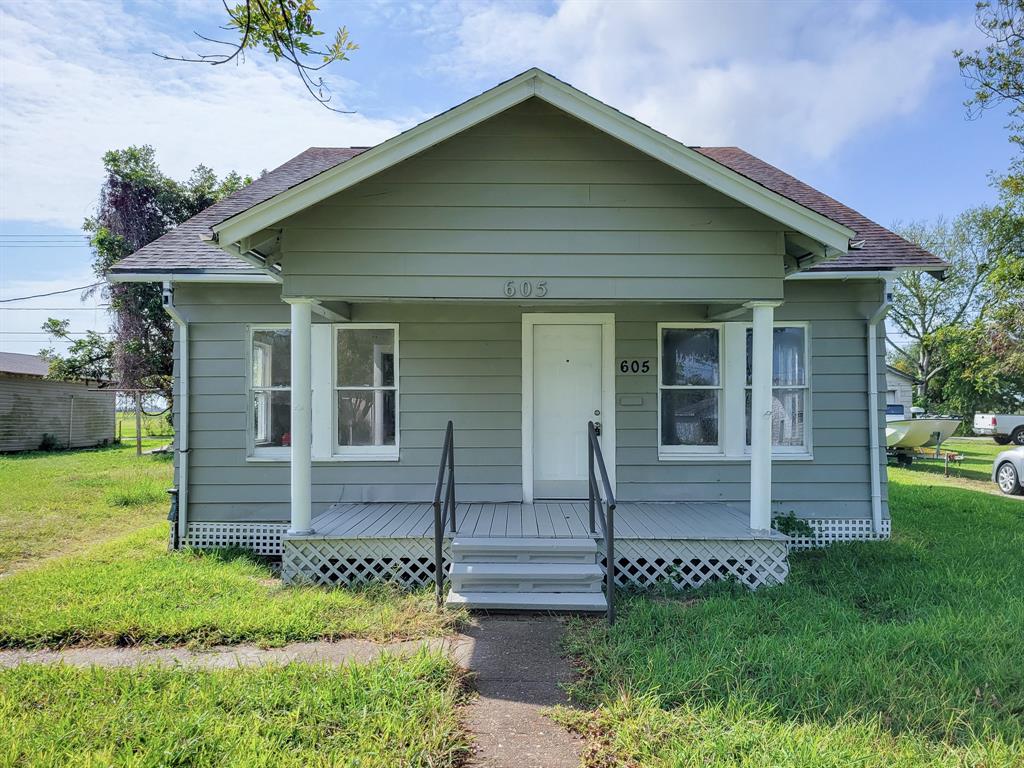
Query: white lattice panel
x=261 y=538
x=643 y=563
x=831 y=530
x=409 y=562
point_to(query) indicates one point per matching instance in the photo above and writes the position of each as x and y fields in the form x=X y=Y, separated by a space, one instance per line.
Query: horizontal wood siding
x=532 y=194
x=463 y=362
x=31 y=407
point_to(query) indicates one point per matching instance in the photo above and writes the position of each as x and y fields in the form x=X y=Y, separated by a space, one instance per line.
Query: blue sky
x=861 y=99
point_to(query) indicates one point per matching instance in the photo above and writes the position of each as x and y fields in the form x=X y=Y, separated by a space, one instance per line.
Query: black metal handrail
x=595 y=459
x=444 y=513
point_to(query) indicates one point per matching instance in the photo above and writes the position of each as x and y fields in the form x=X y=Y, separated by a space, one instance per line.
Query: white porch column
x=761 y=415
x=302 y=416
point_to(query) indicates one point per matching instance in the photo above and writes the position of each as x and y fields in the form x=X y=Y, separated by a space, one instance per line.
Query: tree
x=922 y=306
x=285 y=29
x=137 y=204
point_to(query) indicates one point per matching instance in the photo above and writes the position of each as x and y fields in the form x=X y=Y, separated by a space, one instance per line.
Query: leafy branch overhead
x=286 y=30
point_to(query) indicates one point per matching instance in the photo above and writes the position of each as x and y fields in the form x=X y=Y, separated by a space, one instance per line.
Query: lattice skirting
x=644 y=563
x=261 y=538
x=831 y=530
x=408 y=562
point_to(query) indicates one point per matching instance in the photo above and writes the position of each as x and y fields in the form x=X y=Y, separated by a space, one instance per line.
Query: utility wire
x=51 y=293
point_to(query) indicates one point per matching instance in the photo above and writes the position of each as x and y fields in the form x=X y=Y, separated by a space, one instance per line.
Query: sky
x=862 y=100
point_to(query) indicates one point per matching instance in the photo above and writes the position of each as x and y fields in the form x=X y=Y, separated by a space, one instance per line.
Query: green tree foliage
x=137 y=204
x=287 y=31
x=923 y=306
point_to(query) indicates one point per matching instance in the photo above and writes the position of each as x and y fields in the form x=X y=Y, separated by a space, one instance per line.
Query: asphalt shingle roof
x=183 y=249
x=24 y=365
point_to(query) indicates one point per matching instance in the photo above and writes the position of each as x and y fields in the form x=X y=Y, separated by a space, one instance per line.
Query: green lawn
x=59 y=502
x=154 y=428
x=131 y=590
x=388 y=713
x=978 y=455
x=905 y=653
x=115 y=583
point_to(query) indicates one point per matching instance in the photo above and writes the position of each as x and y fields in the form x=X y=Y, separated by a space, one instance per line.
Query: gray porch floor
x=695 y=521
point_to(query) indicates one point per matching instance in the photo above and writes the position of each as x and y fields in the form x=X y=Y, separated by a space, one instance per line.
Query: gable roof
x=23 y=365
x=320 y=172
x=880 y=249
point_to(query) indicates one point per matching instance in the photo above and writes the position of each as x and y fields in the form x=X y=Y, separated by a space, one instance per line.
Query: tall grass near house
x=890 y=654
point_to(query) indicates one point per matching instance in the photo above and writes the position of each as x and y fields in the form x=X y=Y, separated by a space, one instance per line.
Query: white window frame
x=364 y=452
x=732 y=445
x=254 y=451
x=686 y=451
x=784 y=451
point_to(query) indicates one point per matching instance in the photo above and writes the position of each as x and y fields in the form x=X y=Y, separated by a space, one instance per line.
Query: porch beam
x=339 y=312
x=761 y=414
x=726 y=314
x=302 y=419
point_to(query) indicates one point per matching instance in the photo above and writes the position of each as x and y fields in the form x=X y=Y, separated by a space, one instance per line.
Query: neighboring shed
x=899 y=388
x=77 y=413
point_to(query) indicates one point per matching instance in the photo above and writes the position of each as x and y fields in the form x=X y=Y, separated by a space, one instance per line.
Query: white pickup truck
x=1004 y=428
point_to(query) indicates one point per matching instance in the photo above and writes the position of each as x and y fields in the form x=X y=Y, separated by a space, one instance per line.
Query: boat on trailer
x=903 y=435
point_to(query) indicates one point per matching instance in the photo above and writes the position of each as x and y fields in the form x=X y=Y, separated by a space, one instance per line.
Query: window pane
x=272 y=414
x=787 y=417
x=689 y=356
x=789 y=351
x=366 y=418
x=366 y=358
x=689 y=417
x=271 y=358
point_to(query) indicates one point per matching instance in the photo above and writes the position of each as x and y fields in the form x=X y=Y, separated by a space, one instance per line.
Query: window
x=789 y=388
x=689 y=388
x=270 y=385
x=366 y=390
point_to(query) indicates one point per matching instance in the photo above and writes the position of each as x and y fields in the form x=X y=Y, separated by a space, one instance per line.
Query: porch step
x=526 y=577
x=523 y=550
x=529 y=601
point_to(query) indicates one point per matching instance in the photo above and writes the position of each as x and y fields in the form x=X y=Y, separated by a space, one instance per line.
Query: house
x=899 y=390
x=521 y=265
x=77 y=414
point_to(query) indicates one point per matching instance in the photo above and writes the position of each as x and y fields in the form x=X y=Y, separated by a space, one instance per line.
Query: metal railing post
x=609 y=547
x=438 y=555
x=590 y=476
x=451 y=473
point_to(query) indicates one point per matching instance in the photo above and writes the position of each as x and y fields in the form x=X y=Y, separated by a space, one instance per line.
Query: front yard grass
x=392 y=712
x=60 y=502
x=131 y=591
x=973 y=471
x=903 y=653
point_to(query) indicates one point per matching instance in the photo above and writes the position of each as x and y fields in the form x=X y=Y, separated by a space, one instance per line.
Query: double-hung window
x=790 y=385
x=270 y=390
x=689 y=388
x=366 y=391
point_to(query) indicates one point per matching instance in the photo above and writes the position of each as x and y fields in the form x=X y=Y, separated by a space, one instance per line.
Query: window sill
x=364 y=459
x=721 y=458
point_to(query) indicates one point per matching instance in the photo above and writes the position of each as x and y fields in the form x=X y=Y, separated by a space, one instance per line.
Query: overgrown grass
x=133 y=591
x=393 y=712
x=59 y=502
x=903 y=653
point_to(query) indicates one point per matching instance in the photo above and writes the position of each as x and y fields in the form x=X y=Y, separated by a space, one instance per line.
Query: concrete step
x=523 y=550
x=529 y=601
x=526 y=577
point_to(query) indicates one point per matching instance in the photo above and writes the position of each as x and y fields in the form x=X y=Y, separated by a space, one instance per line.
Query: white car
x=1005 y=428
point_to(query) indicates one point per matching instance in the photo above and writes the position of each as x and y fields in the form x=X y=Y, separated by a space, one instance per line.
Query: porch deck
x=678 y=520
x=682 y=543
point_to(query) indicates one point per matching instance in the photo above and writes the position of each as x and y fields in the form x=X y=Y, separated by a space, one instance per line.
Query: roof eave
x=190 y=276
x=534 y=82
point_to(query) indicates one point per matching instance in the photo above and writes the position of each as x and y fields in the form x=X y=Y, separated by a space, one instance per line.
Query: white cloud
x=780 y=79
x=78 y=79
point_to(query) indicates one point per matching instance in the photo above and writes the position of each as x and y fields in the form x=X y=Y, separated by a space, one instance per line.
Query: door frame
x=607 y=322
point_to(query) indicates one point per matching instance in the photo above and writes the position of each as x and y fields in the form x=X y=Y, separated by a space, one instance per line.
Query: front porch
x=681 y=543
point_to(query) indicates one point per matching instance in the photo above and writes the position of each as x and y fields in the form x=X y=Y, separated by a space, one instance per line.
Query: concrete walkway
x=515 y=663
x=518 y=669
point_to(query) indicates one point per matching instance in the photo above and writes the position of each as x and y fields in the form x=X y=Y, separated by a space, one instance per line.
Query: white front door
x=567 y=393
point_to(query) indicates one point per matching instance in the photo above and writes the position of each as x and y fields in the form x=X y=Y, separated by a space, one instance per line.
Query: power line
x=51 y=293
x=44 y=333
x=54 y=309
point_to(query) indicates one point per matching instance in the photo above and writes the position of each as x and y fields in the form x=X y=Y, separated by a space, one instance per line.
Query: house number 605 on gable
x=526 y=288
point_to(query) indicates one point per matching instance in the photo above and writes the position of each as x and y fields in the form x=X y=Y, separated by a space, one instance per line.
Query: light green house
x=524 y=264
